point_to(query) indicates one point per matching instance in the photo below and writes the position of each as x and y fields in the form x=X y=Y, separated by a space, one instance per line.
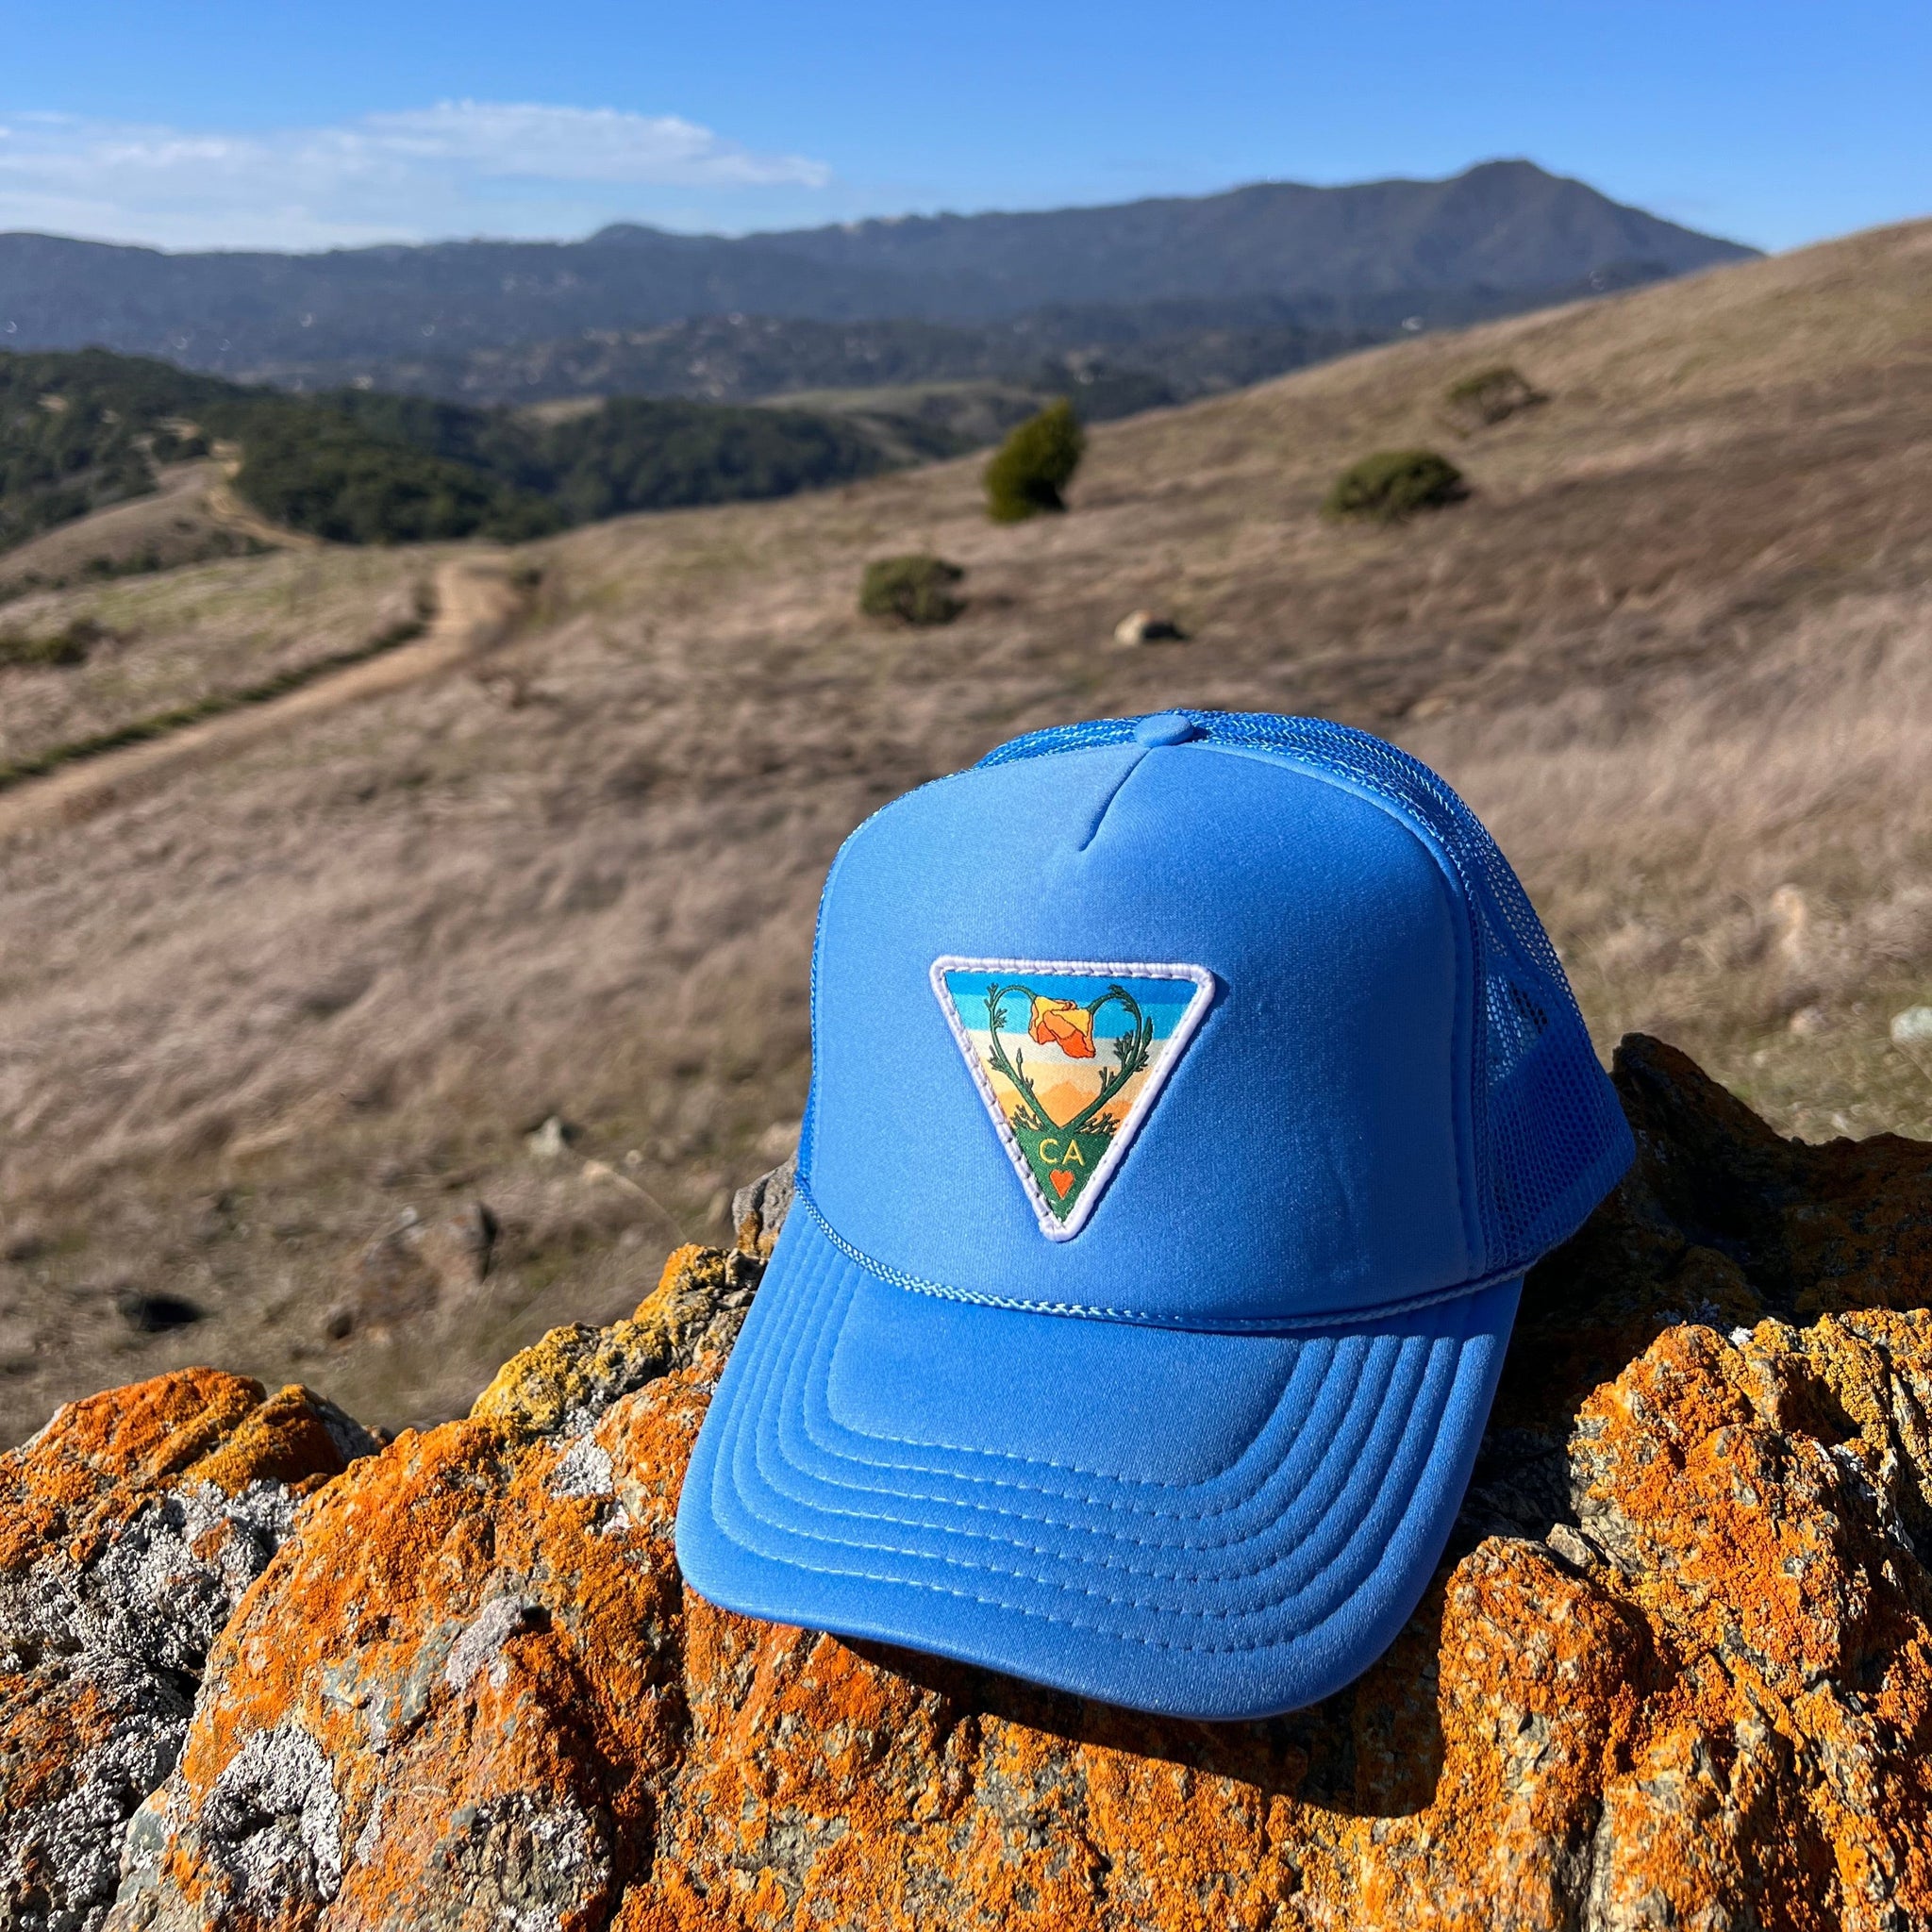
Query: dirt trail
x=475 y=603
x=227 y=508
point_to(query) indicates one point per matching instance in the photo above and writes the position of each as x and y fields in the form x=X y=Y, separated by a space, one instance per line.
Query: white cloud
x=582 y=145
x=456 y=168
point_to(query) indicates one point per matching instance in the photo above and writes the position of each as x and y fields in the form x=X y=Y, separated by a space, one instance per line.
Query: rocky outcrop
x=758 y=1208
x=1675 y=1671
x=460 y=1700
x=1147 y=627
x=129 y=1528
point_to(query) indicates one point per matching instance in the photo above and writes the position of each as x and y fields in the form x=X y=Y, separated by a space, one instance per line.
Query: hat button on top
x=1166 y=727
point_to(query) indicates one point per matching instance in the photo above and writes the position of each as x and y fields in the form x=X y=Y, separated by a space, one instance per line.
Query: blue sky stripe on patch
x=1163 y=1000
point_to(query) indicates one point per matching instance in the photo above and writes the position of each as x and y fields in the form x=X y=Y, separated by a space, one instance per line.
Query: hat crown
x=1360 y=1080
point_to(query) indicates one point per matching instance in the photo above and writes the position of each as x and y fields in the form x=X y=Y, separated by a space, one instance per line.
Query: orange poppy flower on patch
x=1061 y=1024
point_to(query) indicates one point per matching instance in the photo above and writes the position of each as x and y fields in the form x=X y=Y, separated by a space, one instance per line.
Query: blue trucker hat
x=1190 y=1094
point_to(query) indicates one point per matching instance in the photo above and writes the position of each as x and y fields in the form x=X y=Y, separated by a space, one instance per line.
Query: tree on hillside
x=1037 y=461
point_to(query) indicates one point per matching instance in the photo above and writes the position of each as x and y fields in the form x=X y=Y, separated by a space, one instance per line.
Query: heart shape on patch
x=1062 y=1179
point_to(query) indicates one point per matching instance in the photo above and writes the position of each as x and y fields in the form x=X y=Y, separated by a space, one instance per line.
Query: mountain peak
x=623 y=234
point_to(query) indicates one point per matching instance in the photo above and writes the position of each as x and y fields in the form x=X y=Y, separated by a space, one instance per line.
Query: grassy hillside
x=1675 y=645
x=103 y=655
x=82 y=432
x=79 y=433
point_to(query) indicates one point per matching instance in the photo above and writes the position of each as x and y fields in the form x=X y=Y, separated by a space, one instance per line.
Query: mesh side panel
x=1549 y=1134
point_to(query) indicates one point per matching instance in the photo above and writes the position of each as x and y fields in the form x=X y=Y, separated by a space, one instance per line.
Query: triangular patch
x=1068 y=1058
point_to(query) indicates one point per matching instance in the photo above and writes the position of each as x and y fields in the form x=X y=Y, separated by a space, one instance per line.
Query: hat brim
x=1203 y=1525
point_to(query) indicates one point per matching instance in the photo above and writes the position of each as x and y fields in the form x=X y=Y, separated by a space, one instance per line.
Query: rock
x=460 y=1247
x=1144 y=627
x=413 y=1267
x=758 y=1208
x=1675 y=1669
x=462 y=1703
x=1790 y=917
x=561 y=1384
x=129 y=1528
x=1912 y=1027
x=549 y=1138
x=1800 y=1740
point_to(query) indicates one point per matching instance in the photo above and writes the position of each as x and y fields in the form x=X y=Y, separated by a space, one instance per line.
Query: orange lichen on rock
x=96 y=1456
x=573 y=1371
x=461 y=1679
x=1720 y=1717
x=1787 y=1765
x=289 y=1439
x=1538 y=1742
x=827 y=1783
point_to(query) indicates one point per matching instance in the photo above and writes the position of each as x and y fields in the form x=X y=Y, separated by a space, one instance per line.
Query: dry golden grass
x=179 y=524
x=1676 y=648
x=178 y=637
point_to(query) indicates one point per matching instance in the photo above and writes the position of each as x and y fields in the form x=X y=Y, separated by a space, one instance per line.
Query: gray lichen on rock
x=130 y=1533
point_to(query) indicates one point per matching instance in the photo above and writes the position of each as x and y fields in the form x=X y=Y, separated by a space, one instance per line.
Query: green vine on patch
x=1037 y=1118
x=1132 y=1051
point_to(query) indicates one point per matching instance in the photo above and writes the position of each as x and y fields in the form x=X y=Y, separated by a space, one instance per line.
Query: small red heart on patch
x=1062 y=1179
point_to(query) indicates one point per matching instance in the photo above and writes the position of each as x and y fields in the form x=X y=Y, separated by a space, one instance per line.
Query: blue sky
x=221 y=123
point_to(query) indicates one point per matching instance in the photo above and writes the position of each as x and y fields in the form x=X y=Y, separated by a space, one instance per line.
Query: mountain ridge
x=1501 y=228
x=1418 y=203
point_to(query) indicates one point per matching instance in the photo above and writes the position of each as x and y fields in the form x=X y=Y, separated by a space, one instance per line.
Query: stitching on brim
x=851 y=1496
x=722 y=1471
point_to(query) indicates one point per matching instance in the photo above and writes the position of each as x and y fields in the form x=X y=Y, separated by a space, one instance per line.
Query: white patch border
x=1203 y=981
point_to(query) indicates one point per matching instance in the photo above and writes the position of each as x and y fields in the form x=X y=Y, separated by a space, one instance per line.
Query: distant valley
x=84 y=431
x=399 y=395
x=1117 y=359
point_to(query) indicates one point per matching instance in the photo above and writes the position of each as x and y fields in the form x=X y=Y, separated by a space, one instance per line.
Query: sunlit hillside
x=1675 y=646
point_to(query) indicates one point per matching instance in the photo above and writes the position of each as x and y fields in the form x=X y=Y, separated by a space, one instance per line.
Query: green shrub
x=57 y=650
x=327 y=477
x=1395 y=483
x=1036 y=463
x=917 y=588
x=1489 y=396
